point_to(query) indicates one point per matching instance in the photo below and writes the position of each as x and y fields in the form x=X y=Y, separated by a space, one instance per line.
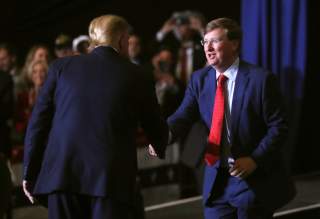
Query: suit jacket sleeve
x=269 y=147
x=39 y=126
x=187 y=113
x=151 y=119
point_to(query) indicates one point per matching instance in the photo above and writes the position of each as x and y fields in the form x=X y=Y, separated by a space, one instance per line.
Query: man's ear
x=235 y=45
x=120 y=42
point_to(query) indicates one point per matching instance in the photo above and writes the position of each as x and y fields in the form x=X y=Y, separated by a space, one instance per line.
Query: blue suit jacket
x=258 y=126
x=81 y=136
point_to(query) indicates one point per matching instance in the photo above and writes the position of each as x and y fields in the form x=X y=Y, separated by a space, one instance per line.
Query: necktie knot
x=222 y=79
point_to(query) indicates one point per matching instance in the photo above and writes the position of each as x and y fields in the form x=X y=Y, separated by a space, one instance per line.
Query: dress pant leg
x=105 y=208
x=223 y=211
x=242 y=197
x=68 y=206
x=230 y=197
x=254 y=213
x=217 y=206
x=75 y=206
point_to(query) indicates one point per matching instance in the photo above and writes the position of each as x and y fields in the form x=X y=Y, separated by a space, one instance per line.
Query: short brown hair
x=231 y=27
x=107 y=29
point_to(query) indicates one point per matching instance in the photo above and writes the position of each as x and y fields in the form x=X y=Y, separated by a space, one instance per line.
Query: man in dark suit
x=79 y=146
x=240 y=105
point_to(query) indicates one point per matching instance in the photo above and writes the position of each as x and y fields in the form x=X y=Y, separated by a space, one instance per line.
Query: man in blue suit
x=244 y=174
x=80 y=144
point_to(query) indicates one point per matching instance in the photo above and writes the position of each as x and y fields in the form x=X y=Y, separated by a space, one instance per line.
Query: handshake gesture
x=152 y=151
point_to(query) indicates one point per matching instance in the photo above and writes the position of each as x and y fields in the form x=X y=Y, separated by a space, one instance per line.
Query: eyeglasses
x=206 y=42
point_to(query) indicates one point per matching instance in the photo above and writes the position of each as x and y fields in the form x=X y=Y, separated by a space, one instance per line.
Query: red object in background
x=17 y=154
x=20 y=127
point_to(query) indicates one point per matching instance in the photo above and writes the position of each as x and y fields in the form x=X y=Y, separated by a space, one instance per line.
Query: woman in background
x=35 y=77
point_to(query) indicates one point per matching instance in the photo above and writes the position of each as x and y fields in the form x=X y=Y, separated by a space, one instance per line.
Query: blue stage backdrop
x=275 y=37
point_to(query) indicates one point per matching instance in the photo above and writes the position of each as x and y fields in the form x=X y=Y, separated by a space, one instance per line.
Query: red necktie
x=214 y=140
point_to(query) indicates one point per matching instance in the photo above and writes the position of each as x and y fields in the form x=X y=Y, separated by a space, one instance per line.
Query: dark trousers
x=75 y=206
x=230 y=197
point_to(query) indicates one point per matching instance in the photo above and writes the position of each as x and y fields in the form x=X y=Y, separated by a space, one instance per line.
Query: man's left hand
x=243 y=167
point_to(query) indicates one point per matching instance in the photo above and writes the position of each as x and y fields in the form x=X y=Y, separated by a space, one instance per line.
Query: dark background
x=25 y=23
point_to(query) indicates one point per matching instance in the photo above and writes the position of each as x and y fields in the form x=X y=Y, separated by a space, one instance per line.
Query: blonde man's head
x=107 y=30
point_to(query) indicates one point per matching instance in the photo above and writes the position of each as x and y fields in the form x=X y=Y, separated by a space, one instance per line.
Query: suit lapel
x=239 y=93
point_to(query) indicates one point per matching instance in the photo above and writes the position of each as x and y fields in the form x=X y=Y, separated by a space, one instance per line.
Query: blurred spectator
x=7 y=58
x=80 y=45
x=63 y=46
x=175 y=30
x=197 y=21
x=135 y=50
x=24 y=101
x=36 y=75
x=178 y=35
x=8 y=64
x=38 y=52
x=168 y=89
x=164 y=62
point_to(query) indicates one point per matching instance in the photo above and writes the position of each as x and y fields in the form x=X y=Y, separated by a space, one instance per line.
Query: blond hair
x=31 y=67
x=107 y=30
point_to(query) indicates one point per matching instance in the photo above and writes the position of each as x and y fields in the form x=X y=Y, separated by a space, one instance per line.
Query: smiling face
x=220 y=51
x=39 y=73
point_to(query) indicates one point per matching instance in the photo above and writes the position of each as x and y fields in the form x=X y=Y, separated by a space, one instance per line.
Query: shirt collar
x=232 y=71
x=108 y=46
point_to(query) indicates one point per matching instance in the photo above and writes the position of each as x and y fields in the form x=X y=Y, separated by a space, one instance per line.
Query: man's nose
x=210 y=47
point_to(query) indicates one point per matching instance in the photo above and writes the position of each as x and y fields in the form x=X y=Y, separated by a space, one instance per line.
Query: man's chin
x=212 y=63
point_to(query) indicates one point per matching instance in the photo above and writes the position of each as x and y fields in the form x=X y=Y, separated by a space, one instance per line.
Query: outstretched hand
x=152 y=151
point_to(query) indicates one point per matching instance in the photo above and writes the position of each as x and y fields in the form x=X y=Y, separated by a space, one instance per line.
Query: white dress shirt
x=231 y=74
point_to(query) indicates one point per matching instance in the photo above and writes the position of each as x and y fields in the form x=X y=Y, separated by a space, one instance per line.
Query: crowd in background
x=170 y=58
